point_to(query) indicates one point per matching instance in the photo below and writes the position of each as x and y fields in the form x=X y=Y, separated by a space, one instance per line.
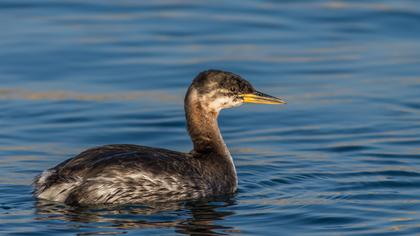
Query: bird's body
x=122 y=174
x=135 y=174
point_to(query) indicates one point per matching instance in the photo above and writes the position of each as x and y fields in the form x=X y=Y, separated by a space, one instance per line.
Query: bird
x=133 y=174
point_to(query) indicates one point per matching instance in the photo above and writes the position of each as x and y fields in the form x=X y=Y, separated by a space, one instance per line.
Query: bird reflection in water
x=203 y=217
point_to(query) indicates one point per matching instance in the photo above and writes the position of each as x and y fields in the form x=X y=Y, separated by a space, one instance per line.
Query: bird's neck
x=203 y=127
x=208 y=142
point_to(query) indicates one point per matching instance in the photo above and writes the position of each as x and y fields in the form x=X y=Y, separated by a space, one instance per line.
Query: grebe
x=125 y=174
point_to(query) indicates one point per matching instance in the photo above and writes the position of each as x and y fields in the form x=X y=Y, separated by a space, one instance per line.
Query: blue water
x=341 y=158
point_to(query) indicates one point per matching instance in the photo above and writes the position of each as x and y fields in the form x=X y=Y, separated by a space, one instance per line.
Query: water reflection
x=203 y=217
x=23 y=94
x=343 y=158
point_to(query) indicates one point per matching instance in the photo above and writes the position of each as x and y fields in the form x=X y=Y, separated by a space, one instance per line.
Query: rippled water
x=341 y=158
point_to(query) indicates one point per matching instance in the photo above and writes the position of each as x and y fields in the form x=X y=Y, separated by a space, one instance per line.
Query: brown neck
x=208 y=142
x=202 y=126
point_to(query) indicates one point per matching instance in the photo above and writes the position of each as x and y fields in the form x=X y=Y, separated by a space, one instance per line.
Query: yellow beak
x=261 y=98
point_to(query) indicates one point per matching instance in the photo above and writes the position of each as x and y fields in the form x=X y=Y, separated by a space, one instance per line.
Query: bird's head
x=216 y=90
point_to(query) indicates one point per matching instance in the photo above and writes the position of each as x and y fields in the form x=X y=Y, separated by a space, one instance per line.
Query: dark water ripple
x=342 y=158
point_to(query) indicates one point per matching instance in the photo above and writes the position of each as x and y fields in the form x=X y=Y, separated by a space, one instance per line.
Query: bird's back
x=123 y=174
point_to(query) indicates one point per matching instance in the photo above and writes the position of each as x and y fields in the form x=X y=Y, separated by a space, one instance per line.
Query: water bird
x=129 y=174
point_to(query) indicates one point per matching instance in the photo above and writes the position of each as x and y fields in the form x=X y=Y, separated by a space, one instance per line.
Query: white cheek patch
x=223 y=102
x=212 y=104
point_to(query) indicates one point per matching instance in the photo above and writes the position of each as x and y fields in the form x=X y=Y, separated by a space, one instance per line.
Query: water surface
x=341 y=158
